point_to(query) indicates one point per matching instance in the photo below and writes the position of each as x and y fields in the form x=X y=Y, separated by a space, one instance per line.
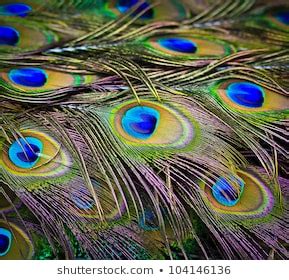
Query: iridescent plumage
x=144 y=130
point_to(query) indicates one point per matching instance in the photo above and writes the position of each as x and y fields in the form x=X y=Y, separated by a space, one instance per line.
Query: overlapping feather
x=129 y=133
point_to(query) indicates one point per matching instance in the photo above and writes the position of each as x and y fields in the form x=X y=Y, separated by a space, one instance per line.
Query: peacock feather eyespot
x=9 y=36
x=28 y=77
x=15 y=9
x=5 y=241
x=124 y=5
x=83 y=203
x=249 y=97
x=25 y=152
x=38 y=79
x=148 y=221
x=277 y=18
x=140 y=122
x=165 y=10
x=14 y=242
x=188 y=46
x=153 y=127
x=243 y=195
x=228 y=193
x=283 y=17
x=17 y=34
x=35 y=154
x=82 y=197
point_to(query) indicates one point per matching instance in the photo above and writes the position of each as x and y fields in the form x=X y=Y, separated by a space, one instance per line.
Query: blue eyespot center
x=148 y=221
x=25 y=152
x=9 y=36
x=5 y=241
x=29 y=77
x=228 y=193
x=15 y=9
x=140 y=122
x=83 y=198
x=124 y=5
x=246 y=94
x=181 y=45
x=283 y=16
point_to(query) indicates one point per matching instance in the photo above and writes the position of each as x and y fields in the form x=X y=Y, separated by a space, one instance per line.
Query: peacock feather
x=144 y=129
